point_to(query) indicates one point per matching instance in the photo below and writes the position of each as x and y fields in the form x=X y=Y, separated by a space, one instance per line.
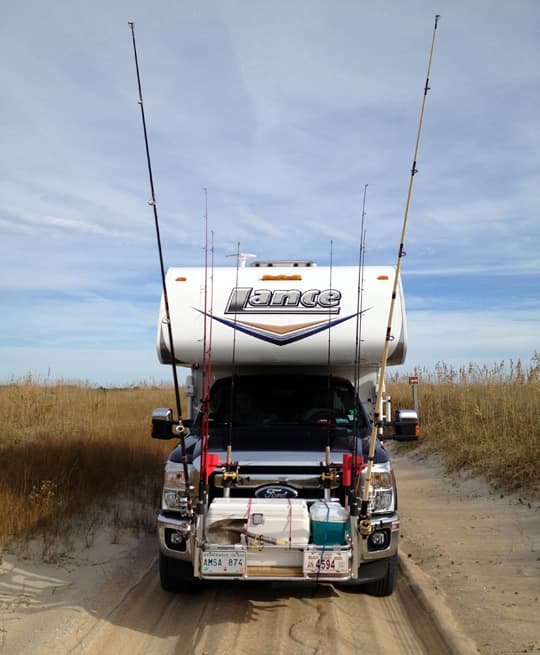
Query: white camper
x=294 y=315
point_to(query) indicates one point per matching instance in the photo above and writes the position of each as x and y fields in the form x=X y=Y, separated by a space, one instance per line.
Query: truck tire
x=384 y=586
x=176 y=575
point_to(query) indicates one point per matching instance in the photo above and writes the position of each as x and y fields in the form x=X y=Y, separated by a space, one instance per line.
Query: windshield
x=284 y=400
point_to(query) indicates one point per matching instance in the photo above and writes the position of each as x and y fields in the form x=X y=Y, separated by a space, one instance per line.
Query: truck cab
x=281 y=426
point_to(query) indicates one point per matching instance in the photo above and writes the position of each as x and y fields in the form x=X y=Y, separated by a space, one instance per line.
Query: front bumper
x=177 y=540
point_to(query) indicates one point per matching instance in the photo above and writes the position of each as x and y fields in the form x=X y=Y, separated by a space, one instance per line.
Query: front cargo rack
x=312 y=562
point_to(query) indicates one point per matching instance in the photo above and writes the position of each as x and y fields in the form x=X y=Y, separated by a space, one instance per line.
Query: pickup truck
x=267 y=480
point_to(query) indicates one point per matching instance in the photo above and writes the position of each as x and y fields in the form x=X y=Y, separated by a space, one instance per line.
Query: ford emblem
x=276 y=491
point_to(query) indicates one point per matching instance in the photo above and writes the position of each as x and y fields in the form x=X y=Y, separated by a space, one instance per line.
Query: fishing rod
x=365 y=525
x=328 y=476
x=205 y=400
x=152 y=202
x=357 y=348
x=210 y=336
x=210 y=332
x=359 y=294
x=229 y=476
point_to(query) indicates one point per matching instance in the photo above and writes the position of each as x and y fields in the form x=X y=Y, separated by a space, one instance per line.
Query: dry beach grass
x=67 y=449
x=481 y=419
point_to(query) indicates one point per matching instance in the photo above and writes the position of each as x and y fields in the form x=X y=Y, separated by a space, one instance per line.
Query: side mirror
x=406 y=427
x=164 y=426
x=162 y=423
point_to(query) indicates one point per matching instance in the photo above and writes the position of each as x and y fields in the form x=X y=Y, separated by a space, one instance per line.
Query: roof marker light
x=267 y=278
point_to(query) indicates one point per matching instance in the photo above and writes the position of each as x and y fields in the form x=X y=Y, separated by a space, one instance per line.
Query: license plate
x=315 y=561
x=220 y=563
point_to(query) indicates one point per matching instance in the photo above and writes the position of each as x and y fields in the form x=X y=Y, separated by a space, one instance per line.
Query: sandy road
x=107 y=599
x=475 y=551
x=259 y=619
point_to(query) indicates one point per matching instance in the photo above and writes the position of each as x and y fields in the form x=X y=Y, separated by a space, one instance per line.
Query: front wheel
x=386 y=585
x=176 y=575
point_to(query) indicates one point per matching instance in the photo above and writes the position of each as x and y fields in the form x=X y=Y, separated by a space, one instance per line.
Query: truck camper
x=287 y=363
x=266 y=483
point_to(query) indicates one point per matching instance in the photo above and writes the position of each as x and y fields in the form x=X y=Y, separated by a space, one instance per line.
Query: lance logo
x=244 y=301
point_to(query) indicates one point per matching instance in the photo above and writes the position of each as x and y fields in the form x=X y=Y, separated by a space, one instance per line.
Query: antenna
x=365 y=525
x=242 y=258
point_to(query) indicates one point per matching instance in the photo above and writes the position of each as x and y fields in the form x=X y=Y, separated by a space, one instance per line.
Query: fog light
x=176 y=538
x=378 y=540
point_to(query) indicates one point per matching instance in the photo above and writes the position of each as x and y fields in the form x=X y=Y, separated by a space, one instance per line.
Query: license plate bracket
x=329 y=562
x=215 y=562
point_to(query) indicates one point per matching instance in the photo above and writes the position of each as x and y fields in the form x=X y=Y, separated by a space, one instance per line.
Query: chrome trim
x=298 y=481
x=183 y=526
x=390 y=522
x=299 y=578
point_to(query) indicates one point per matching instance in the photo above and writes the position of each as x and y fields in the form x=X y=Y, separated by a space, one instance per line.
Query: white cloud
x=98 y=366
x=459 y=337
x=29 y=223
x=284 y=112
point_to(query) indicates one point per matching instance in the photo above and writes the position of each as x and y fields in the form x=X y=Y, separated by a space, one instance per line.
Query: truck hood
x=271 y=458
x=283 y=458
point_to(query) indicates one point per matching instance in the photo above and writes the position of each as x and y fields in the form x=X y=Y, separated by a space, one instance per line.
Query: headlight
x=381 y=494
x=174 y=488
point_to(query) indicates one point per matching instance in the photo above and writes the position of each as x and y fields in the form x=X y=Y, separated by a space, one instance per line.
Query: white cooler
x=274 y=518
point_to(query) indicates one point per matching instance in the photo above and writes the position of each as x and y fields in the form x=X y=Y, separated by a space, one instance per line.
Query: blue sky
x=283 y=111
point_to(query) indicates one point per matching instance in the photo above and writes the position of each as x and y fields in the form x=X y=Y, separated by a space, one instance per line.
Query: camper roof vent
x=287 y=264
